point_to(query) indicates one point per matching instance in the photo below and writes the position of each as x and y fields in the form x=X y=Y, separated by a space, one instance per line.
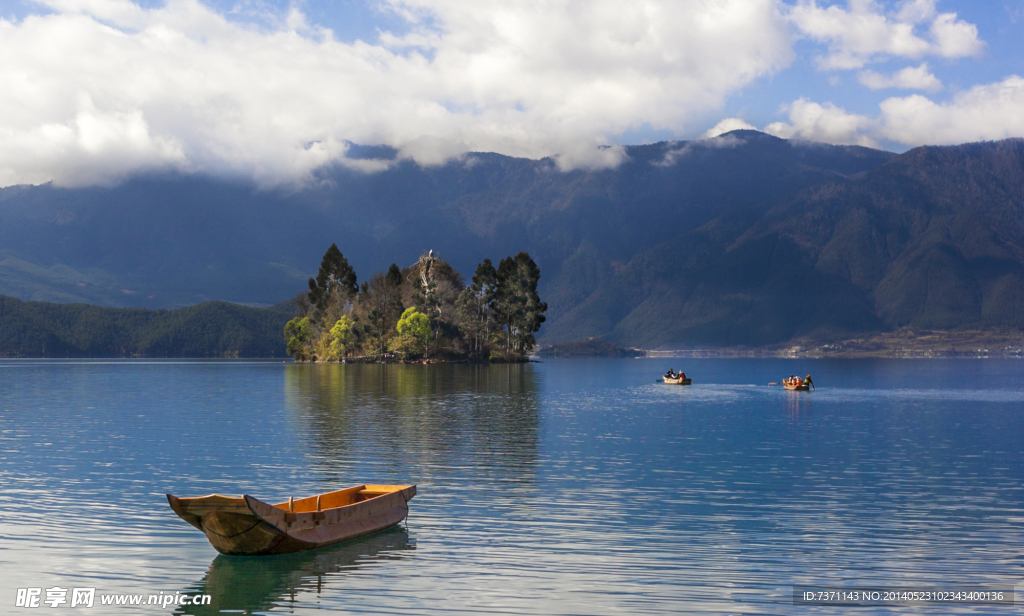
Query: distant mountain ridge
x=933 y=238
x=745 y=239
x=210 y=330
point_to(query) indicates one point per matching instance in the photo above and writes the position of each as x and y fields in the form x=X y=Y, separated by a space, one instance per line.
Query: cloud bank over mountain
x=96 y=91
x=984 y=113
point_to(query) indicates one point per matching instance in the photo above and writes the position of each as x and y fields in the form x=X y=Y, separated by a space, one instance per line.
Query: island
x=425 y=312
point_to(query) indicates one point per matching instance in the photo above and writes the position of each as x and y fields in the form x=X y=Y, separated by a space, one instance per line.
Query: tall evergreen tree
x=534 y=309
x=334 y=285
x=517 y=306
x=475 y=305
x=507 y=303
x=394 y=276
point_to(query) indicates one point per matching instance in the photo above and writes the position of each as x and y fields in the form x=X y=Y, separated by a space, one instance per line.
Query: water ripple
x=561 y=488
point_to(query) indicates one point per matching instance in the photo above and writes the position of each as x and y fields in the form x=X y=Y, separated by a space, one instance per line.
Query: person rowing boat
x=676 y=378
x=795 y=383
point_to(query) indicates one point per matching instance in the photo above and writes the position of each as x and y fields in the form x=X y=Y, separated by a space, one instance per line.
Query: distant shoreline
x=905 y=343
x=813 y=354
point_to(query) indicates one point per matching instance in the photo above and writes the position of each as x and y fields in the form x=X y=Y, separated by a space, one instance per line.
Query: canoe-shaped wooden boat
x=796 y=385
x=246 y=526
x=686 y=381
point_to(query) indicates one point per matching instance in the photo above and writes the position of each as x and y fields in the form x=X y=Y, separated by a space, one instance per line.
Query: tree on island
x=436 y=287
x=297 y=336
x=475 y=309
x=380 y=306
x=413 y=333
x=335 y=283
x=323 y=331
x=341 y=336
x=423 y=311
x=517 y=305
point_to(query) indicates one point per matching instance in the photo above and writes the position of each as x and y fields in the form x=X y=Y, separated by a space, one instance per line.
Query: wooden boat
x=247 y=526
x=797 y=385
x=685 y=381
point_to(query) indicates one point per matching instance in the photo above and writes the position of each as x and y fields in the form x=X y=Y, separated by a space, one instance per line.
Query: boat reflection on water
x=252 y=584
x=798 y=406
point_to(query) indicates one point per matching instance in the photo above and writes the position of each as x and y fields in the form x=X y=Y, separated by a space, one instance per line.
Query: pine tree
x=517 y=306
x=394 y=276
x=334 y=285
x=532 y=315
x=475 y=307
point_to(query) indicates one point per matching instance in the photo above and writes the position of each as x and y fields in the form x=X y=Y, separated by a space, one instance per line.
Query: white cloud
x=916 y=11
x=984 y=113
x=680 y=150
x=910 y=78
x=99 y=89
x=725 y=126
x=862 y=32
x=813 y=122
x=955 y=38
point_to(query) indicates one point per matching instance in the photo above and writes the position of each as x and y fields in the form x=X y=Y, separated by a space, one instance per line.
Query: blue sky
x=1000 y=26
x=98 y=90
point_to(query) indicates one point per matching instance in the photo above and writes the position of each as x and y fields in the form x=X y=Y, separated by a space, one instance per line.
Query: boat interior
x=339 y=498
x=202 y=505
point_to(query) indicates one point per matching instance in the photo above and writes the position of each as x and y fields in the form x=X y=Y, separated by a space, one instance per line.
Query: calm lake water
x=564 y=487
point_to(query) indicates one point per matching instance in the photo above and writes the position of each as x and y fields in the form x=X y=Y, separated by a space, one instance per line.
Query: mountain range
x=745 y=239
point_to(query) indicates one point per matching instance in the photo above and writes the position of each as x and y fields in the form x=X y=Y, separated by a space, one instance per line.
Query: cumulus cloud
x=814 y=122
x=910 y=78
x=725 y=126
x=955 y=38
x=95 y=90
x=862 y=32
x=985 y=112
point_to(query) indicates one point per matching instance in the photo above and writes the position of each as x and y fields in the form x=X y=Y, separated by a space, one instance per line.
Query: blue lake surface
x=563 y=487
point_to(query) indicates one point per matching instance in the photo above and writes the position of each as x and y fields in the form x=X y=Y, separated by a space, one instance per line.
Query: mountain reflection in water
x=252 y=584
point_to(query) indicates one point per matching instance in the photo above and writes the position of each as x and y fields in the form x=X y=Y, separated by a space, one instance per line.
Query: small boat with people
x=795 y=383
x=676 y=378
x=246 y=526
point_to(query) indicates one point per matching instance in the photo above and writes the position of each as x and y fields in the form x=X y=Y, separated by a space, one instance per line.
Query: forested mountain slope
x=934 y=238
x=163 y=242
x=211 y=329
x=745 y=239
